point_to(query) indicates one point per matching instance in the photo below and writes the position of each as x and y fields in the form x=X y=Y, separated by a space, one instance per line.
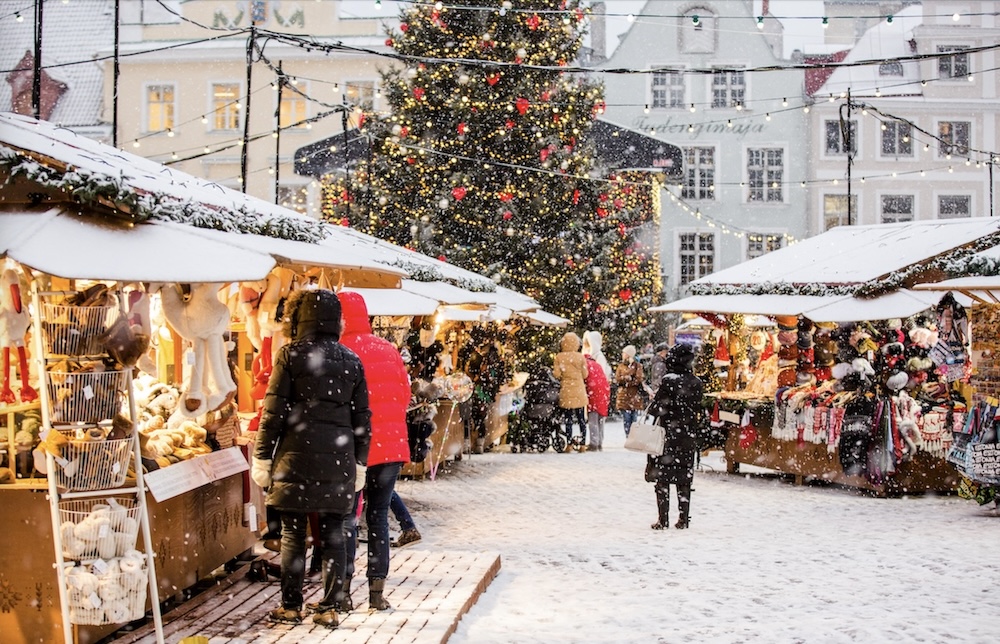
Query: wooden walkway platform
x=429 y=592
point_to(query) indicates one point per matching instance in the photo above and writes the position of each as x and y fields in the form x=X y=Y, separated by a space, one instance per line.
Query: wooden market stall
x=78 y=219
x=821 y=404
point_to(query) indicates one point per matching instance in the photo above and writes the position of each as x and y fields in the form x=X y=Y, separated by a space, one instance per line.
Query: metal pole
x=246 y=112
x=277 y=133
x=847 y=145
x=117 y=73
x=36 y=81
x=347 y=159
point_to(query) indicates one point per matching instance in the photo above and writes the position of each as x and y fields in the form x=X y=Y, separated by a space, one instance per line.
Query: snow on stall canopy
x=395 y=301
x=853 y=255
x=849 y=273
x=68 y=245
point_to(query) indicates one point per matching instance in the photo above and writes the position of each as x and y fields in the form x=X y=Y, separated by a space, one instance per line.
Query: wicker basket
x=93 y=465
x=85 y=396
x=76 y=330
x=98 y=528
x=113 y=598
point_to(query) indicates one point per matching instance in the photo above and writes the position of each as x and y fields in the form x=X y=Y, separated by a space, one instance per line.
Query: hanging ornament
x=506 y=196
x=602 y=197
x=533 y=21
x=388 y=42
x=599 y=107
x=463 y=79
x=404 y=131
x=619 y=204
x=410 y=160
x=344 y=221
x=492 y=79
x=543 y=154
x=458 y=193
x=418 y=93
x=443 y=204
x=546 y=96
x=602 y=213
x=510 y=231
x=507 y=215
x=721 y=353
x=576 y=196
x=396 y=129
x=404 y=27
x=625 y=294
x=462 y=129
x=382 y=201
x=522 y=105
x=510 y=124
x=442 y=258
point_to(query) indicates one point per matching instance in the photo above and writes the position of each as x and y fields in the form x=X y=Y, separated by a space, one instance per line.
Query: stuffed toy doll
x=259 y=303
x=14 y=323
x=201 y=318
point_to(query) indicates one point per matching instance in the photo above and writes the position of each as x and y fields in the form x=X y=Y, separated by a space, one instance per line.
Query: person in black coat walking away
x=312 y=445
x=677 y=406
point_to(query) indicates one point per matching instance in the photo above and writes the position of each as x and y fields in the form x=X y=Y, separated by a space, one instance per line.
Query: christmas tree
x=483 y=161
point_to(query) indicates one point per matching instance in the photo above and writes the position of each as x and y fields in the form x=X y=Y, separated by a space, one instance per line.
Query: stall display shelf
x=102 y=578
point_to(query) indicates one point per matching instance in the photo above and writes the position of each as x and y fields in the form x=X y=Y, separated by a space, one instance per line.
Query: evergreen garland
x=94 y=188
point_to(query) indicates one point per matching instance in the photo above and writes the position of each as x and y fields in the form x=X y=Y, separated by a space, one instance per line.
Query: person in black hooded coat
x=677 y=406
x=312 y=443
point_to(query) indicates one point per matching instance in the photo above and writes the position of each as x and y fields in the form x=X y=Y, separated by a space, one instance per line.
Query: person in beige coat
x=570 y=369
x=628 y=376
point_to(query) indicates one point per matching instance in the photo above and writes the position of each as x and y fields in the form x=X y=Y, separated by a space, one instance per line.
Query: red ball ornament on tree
x=602 y=213
x=507 y=215
x=418 y=93
x=462 y=129
x=388 y=42
x=543 y=154
x=492 y=79
x=404 y=131
x=458 y=193
x=442 y=258
x=533 y=21
x=510 y=124
x=522 y=105
x=344 y=221
x=576 y=196
x=618 y=203
x=506 y=196
x=404 y=27
x=625 y=294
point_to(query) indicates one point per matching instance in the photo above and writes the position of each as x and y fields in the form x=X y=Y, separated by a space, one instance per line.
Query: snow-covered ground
x=763 y=561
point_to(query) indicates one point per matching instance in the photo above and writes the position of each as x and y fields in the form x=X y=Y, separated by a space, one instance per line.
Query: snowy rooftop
x=67 y=59
x=856 y=254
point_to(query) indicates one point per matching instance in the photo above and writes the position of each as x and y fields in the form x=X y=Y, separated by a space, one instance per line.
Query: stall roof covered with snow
x=851 y=272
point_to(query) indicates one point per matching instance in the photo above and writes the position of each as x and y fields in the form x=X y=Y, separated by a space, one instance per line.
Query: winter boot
x=407 y=537
x=343 y=603
x=376 y=601
x=327 y=618
x=684 y=501
x=662 y=507
x=479 y=446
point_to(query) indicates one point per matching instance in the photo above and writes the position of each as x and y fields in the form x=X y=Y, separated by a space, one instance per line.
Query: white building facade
x=924 y=131
x=744 y=133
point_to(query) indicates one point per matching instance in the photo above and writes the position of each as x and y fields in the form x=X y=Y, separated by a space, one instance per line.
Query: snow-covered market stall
x=863 y=381
x=138 y=317
x=121 y=457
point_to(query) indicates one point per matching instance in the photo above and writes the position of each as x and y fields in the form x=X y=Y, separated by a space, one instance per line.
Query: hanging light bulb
x=956 y=17
x=826 y=22
x=646 y=109
x=760 y=22
x=18 y=17
x=378 y=5
x=784 y=102
x=889 y=19
x=695 y=19
x=692 y=108
x=767 y=117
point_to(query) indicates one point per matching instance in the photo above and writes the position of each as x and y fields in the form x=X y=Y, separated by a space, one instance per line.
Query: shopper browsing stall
x=570 y=369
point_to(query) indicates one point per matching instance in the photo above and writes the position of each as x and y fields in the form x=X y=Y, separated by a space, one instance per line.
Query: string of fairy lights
x=747 y=111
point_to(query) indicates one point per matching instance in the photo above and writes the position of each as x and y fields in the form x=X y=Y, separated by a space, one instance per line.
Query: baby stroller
x=537 y=427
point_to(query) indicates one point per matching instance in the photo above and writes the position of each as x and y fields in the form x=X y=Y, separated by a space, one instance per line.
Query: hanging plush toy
x=14 y=323
x=200 y=318
x=259 y=303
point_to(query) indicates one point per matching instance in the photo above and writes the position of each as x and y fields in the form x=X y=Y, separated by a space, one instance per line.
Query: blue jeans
x=380 y=483
x=401 y=513
x=628 y=417
x=576 y=415
x=332 y=529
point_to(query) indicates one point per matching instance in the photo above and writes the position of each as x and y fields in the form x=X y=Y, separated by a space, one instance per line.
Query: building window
x=891 y=68
x=837 y=136
x=294 y=198
x=835 y=212
x=897 y=208
x=954 y=66
x=954 y=206
x=954 y=137
x=360 y=93
x=896 y=139
x=667 y=89
x=292 y=112
x=699 y=173
x=765 y=174
x=728 y=88
x=697 y=256
x=159 y=108
x=225 y=106
x=762 y=243
x=697 y=36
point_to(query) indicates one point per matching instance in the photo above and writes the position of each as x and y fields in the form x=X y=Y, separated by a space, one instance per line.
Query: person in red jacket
x=388 y=398
x=598 y=391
